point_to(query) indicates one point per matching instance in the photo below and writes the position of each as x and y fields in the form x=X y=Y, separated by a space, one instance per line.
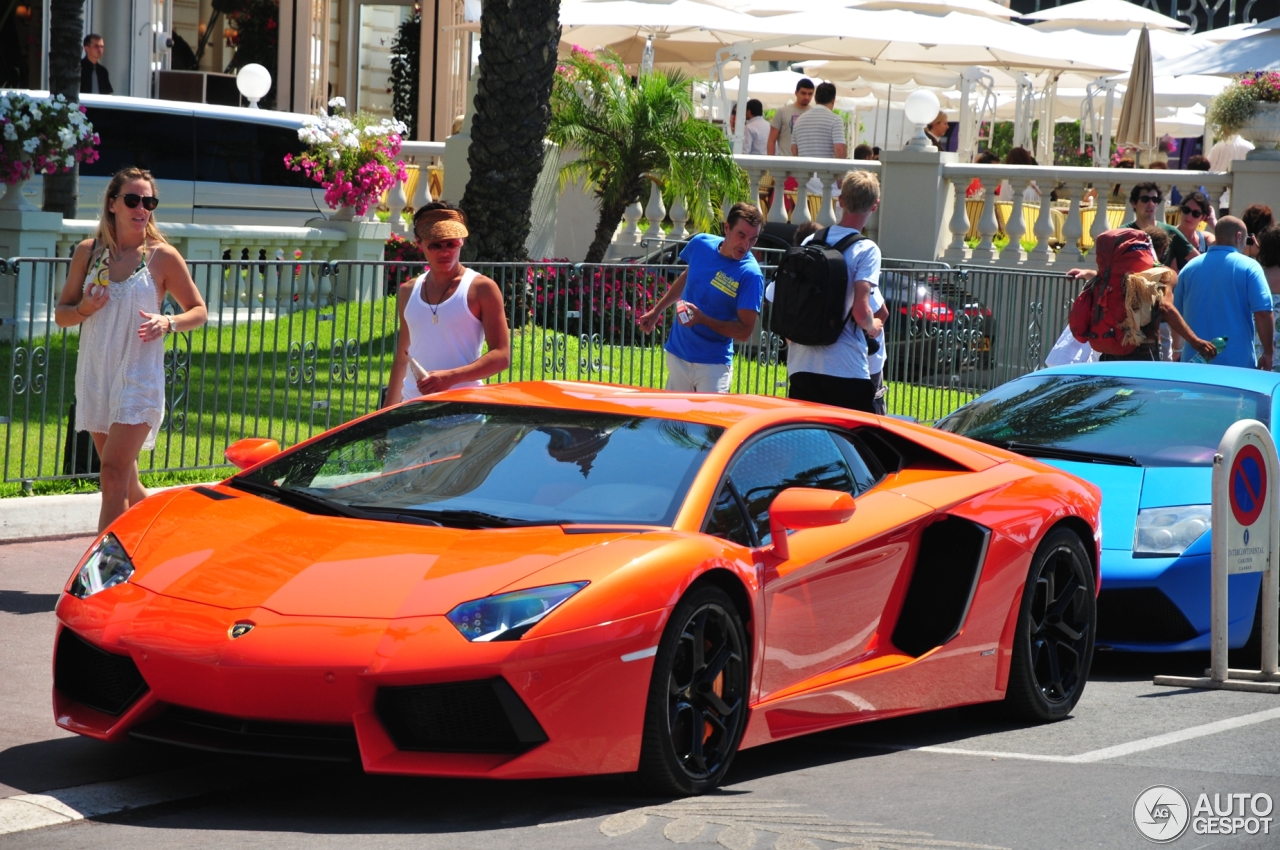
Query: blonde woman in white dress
x=114 y=292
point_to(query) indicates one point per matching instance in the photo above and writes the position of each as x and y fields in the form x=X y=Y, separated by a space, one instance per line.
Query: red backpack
x=1099 y=310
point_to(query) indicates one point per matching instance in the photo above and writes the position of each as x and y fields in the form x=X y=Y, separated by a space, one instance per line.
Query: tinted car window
x=475 y=464
x=727 y=520
x=799 y=457
x=162 y=144
x=1156 y=423
x=242 y=152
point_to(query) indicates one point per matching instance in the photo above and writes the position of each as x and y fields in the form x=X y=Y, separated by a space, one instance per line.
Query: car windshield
x=1108 y=419
x=477 y=465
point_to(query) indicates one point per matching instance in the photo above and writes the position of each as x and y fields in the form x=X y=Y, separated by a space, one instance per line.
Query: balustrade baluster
x=800 y=214
x=679 y=215
x=826 y=216
x=1043 y=230
x=778 y=207
x=959 y=223
x=655 y=212
x=988 y=227
x=396 y=202
x=1072 y=230
x=1015 y=227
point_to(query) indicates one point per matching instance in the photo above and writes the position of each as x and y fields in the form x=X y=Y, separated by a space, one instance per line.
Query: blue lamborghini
x=1146 y=434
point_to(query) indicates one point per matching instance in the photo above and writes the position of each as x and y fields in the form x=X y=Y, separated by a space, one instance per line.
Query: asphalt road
x=955 y=779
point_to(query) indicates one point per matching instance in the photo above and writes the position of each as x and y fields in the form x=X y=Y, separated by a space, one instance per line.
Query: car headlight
x=509 y=615
x=107 y=565
x=1169 y=531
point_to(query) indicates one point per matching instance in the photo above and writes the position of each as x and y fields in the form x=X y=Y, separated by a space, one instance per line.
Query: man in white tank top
x=447 y=315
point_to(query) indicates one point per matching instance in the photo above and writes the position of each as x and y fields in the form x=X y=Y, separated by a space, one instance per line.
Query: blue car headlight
x=507 y=616
x=1169 y=531
x=107 y=565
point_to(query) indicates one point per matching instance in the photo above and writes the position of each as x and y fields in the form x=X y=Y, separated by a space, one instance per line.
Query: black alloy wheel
x=697 y=707
x=1057 y=622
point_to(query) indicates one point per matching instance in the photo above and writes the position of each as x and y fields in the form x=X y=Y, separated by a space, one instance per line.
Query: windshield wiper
x=1058 y=453
x=472 y=519
x=319 y=504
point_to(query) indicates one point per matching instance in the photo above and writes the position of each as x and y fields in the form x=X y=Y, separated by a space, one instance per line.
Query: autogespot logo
x=1161 y=814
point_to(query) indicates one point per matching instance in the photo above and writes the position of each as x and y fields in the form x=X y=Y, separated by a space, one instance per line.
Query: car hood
x=246 y=552
x=1126 y=489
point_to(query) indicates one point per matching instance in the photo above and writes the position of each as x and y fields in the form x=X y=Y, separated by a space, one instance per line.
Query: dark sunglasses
x=1148 y=199
x=149 y=202
x=1187 y=211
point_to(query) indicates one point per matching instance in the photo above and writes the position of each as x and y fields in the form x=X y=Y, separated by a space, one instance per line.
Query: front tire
x=697 y=706
x=1057 y=622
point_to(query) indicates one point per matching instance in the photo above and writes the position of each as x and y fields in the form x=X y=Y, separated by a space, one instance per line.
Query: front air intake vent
x=948 y=565
x=1140 y=615
x=103 y=681
x=483 y=716
x=202 y=730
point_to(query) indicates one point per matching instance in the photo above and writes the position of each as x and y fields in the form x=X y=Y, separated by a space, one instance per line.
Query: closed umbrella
x=1138 y=111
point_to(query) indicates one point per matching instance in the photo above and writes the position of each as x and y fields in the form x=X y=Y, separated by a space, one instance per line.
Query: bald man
x=1224 y=293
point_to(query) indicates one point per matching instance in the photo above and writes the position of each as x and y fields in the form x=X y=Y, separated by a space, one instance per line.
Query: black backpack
x=809 y=289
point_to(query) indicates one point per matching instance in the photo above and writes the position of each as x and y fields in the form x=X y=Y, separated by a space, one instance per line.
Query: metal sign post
x=1246 y=539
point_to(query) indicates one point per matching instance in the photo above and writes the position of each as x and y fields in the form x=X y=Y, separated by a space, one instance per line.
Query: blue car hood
x=1125 y=489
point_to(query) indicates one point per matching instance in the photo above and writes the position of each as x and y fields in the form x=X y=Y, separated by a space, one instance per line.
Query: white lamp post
x=253 y=81
x=921 y=108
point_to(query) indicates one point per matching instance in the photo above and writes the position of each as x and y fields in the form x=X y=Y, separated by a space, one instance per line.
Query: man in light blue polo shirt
x=1224 y=293
x=721 y=291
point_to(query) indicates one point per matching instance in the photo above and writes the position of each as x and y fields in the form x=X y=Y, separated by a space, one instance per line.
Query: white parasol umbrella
x=1259 y=52
x=1113 y=13
x=1137 y=111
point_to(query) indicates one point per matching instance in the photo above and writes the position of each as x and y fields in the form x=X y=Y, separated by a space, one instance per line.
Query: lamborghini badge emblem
x=240 y=629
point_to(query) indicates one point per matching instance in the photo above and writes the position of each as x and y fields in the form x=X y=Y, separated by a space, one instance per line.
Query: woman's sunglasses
x=1187 y=211
x=149 y=202
x=445 y=245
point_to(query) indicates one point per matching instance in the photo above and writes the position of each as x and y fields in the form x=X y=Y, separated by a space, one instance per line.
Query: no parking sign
x=1246 y=539
x=1248 y=522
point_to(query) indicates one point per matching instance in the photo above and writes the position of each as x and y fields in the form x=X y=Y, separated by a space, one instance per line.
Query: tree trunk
x=508 y=130
x=606 y=227
x=66 y=30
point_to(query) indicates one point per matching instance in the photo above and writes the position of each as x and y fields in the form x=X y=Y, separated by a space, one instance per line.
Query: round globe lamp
x=921 y=108
x=253 y=81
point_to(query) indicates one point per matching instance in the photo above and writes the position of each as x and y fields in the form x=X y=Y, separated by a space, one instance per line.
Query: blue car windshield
x=1156 y=423
x=491 y=465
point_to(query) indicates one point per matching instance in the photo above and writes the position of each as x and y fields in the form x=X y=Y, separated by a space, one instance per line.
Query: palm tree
x=628 y=133
x=66 y=28
x=517 y=64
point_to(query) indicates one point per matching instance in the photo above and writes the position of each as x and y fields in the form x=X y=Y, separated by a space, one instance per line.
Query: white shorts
x=686 y=377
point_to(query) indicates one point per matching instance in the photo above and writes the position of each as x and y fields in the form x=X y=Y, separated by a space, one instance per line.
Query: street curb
x=31 y=518
x=36 y=517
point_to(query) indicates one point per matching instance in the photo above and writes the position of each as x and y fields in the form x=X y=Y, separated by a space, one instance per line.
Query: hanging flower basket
x=42 y=135
x=353 y=158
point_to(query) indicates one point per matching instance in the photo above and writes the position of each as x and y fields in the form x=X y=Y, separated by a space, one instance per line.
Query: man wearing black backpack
x=833 y=360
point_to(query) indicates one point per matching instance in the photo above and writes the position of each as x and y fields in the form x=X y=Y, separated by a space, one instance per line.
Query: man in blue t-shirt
x=719 y=301
x=1224 y=293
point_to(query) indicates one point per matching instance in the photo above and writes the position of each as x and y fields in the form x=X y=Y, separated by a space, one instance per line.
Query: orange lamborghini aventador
x=546 y=579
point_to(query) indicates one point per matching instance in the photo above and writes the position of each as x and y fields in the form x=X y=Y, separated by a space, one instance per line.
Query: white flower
x=30 y=145
x=24 y=122
x=351 y=141
x=10 y=133
x=36 y=114
x=338 y=103
x=71 y=162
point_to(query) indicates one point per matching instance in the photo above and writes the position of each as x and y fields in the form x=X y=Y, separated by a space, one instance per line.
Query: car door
x=823 y=604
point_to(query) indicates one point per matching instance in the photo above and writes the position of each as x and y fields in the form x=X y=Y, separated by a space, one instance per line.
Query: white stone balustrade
x=828 y=171
x=1072 y=220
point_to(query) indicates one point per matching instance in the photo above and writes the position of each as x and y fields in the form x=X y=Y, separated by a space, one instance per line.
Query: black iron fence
x=294 y=348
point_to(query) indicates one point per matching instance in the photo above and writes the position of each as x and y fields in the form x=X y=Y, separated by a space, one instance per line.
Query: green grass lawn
x=294 y=376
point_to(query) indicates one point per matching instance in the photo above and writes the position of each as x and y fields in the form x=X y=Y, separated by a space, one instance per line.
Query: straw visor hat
x=440 y=224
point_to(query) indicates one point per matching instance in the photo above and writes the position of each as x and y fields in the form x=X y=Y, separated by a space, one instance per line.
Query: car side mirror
x=251 y=451
x=802 y=507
